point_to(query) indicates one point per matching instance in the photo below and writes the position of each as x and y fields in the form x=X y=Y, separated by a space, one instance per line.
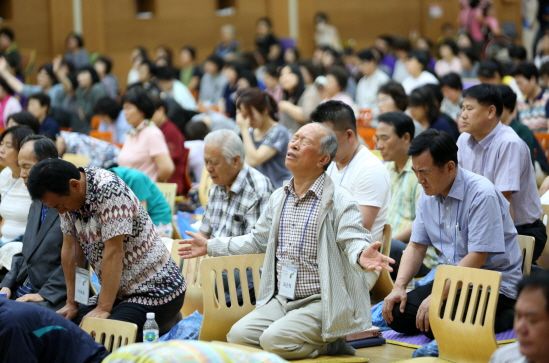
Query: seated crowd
x=277 y=140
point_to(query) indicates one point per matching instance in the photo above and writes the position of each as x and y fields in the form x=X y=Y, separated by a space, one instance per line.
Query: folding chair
x=113 y=334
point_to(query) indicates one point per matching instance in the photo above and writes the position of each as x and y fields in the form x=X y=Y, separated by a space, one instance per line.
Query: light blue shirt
x=504 y=158
x=474 y=217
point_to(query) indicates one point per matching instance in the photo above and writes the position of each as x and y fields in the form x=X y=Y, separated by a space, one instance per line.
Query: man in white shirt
x=355 y=168
x=417 y=68
x=175 y=89
x=373 y=78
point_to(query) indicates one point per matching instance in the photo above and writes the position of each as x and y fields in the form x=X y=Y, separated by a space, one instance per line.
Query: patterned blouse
x=149 y=275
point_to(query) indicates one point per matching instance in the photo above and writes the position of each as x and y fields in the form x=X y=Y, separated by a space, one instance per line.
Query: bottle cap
x=150 y=315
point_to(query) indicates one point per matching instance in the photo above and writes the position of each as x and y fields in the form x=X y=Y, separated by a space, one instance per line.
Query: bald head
x=311 y=149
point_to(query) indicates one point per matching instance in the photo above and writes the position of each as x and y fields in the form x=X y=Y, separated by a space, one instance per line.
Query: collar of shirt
x=239 y=183
x=85 y=210
x=406 y=169
x=316 y=188
x=135 y=130
x=457 y=191
x=484 y=143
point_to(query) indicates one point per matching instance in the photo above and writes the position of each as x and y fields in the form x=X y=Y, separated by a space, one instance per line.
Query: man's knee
x=241 y=334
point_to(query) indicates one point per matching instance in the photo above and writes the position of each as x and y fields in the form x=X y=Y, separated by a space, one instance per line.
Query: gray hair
x=228 y=142
x=328 y=145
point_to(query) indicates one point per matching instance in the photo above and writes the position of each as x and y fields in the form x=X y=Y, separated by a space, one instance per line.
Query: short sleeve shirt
x=504 y=159
x=474 y=217
x=141 y=147
x=367 y=181
x=149 y=275
x=101 y=153
x=275 y=169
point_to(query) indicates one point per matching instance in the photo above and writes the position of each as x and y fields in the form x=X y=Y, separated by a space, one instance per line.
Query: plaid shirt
x=234 y=213
x=297 y=237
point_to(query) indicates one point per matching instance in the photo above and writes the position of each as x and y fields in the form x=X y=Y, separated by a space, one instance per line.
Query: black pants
x=538 y=231
x=137 y=313
x=397 y=247
x=406 y=322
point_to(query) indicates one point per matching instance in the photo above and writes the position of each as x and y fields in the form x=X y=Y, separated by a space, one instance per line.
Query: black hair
x=470 y=53
x=518 y=52
x=43 y=147
x=190 y=49
x=294 y=95
x=544 y=69
x=248 y=76
x=487 y=95
x=78 y=37
x=397 y=93
x=450 y=43
x=265 y=20
x=164 y=73
x=401 y=43
x=320 y=15
x=18 y=133
x=42 y=98
x=424 y=97
x=258 y=99
x=337 y=113
x=48 y=68
x=341 y=76
x=452 y=80
x=401 y=122
x=488 y=69
x=51 y=175
x=107 y=106
x=440 y=145
x=436 y=90
x=92 y=71
x=527 y=70
x=421 y=56
x=7 y=32
x=25 y=118
x=106 y=61
x=138 y=97
x=312 y=68
x=196 y=130
x=218 y=61
x=272 y=70
x=160 y=103
x=508 y=97
x=537 y=280
x=369 y=55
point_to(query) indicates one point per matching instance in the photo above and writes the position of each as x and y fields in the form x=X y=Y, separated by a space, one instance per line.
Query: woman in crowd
x=145 y=148
x=189 y=73
x=265 y=140
x=425 y=109
x=298 y=100
x=392 y=98
x=449 y=61
x=103 y=67
x=24 y=118
x=76 y=53
x=8 y=103
x=15 y=200
x=138 y=56
x=89 y=91
x=417 y=69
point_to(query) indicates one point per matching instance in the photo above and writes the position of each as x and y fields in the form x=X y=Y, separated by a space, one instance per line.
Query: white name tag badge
x=288 y=279
x=82 y=286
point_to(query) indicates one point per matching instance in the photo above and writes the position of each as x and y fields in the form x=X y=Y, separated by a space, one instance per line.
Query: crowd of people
x=454 y=177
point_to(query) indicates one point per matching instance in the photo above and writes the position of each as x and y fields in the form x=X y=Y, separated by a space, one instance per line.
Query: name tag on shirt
x=288 y=279
x=81 y=286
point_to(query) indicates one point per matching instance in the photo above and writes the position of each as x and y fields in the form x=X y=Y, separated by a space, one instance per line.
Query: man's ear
x=324 y=160
x=74 y=184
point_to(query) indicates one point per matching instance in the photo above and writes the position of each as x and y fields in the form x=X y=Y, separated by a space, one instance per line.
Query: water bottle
x=150 y=329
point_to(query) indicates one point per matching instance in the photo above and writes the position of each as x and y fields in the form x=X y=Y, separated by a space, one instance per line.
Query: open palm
x=373 y=260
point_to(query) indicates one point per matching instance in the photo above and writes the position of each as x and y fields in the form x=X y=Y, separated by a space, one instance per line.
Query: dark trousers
x=406 y=322
x=538 y=231
x=137 y=313
x=397 y=247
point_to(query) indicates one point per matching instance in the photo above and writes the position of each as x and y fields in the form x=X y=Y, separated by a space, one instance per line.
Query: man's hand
x=69 y=311
x=30 y=298
x=422 y=317
x=98 y=313
x=372 y=260
x=193 y=247
x=7 y=291
x=398 y=295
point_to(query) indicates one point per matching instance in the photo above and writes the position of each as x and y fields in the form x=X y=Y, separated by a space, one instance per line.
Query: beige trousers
x=291 y=329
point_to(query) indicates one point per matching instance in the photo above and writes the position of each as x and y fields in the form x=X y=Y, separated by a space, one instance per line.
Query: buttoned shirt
x=405 y=191
x=504 y=158
x=474 y=217
x=235 y=212
x=298 y=237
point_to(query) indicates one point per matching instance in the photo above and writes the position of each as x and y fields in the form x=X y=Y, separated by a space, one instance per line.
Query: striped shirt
x=297 y=237
x=235 y=212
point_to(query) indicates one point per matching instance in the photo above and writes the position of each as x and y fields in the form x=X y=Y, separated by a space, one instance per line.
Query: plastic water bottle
x=150 y=329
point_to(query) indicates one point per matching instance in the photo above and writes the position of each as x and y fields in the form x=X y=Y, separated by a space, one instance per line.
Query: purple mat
x=421 y=339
